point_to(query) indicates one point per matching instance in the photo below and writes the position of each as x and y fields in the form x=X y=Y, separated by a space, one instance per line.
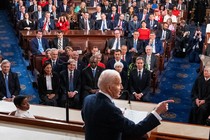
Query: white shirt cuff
x=156 y=115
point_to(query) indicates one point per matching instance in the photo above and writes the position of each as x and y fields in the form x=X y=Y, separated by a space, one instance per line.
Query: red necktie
x=112 y=16
x=45 y=24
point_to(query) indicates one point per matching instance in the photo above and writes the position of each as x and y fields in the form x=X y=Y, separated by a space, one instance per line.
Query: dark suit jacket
x=124 y=25
x=59 y=66
x=155 y=25
x=124 y=77
x=56 y=17
x=106 y=11
x=153 y=62
x=111 y=41
x=82 y=26
x=35 y=16
x=42 y=87
x=88 y=81
x=130 y=44
x=132 y=27
x=24 y=24
x=64 y=80
x=128 y=58
x=111 y=62
x=55 y=43
x=34 y=45
x=105 y=121
x=98 y=24
x=61 y=9
x=168 y=35
x=140 y=16
x=31 y=8
x=13 y=82
x=41 y=24
x=94 y=16
x=158 y=46
x=116 y=16
x=139 y=85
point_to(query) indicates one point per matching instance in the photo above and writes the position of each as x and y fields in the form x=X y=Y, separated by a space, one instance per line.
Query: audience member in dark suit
x=64 y=8
x=106 y=8
x=90 y=77
x=54 y=14
x=152 y=24
x=33 y=7
x=143 y=16
x=20 y=14
x=70 y=85
x=26 y=24
x=134 y=44
x=120 y=24
x=39 y=44
x=117 y=58
x=96 y=15
x=149 y=9
x=150 y=59
x=164 y=34
x=113 y=15
x=46 y=23
x=68 y=54
x=201 y=98
x=115 y=43
x=9 y=82
x=133 y=25
x=121 y=8
x=60 y=42
x=168 y=5
x=57 y=64
x=103 y=24
x=86 y=23
x=80 y=65
x=197 y=47
x=139 y=81
x=48 y=7
x=86 y=57
x=126 y=55
x=118 y=66
x=105 y=121
x=39 y=14
x=157 y=44
x=48 y=85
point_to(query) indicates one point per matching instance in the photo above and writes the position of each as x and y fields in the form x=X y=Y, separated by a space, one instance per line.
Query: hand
x=157 y=54
x=202 y=102
x=197 y=102
x=71 y=94
x=108 y=51
x=51 y=96
x=8 y=99
x=162 y=107
x=138 y=96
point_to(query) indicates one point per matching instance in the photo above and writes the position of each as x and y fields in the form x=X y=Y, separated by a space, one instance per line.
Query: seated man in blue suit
x=156 y=43
x=39 y=44
x=46 y=24
x=103 y=24
x=104 y=121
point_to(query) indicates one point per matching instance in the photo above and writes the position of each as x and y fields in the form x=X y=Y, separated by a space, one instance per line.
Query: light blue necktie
x=7 y=86
x=40 y=48
x=94 y=73
x=135 y=44
x=71 y=85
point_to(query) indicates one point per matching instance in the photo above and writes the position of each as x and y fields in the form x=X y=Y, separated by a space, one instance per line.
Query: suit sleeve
x=34 y=49
x=17 y=84
x=148 y=81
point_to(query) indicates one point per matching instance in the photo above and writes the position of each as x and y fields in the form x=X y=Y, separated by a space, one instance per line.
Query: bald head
x=110 y=83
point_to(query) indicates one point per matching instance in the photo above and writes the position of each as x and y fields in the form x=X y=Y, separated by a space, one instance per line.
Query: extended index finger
x=168 y=101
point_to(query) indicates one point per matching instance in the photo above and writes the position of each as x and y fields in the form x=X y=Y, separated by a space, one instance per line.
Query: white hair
x=118 y=64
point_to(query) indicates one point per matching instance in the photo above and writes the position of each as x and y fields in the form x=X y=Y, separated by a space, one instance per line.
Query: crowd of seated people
x=149 y=29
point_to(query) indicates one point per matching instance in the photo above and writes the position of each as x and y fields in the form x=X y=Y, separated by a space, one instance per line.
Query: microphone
x=67 y=107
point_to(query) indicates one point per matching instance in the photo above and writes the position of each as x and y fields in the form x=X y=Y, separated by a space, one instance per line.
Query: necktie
x=35 y=8
x=135 y=25
x=59 y=44
x=135 y=44
x=40 y=46
x=45 y=25
x=151 y=24
x=94 y=73
x=117 y=44
x=123 y=57
x=148 y=62
x=71 y=85
x=103 y=25
x=140 y=74
x=113 y=16
x=7 y=86
x=119 y=9
x=53 y=64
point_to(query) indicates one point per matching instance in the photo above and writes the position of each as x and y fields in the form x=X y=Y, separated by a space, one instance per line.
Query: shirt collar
x=107 y=95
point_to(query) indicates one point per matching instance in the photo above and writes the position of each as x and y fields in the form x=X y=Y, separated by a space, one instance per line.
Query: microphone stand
x=67 y=107
x=129 y=98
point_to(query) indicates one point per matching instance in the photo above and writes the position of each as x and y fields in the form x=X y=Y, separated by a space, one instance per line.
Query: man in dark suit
x=86 y=23
x=9 y=82
x=48 y=7
x=164 y=34
x=57 y=64
x=54 y=14
x=103 y=24
x=139 y=81
x=96 y=15
x=143 y=16
x=20 y=14
x=39 y=44
x=120 y=24
x=86 y=57
x=70 y=85
x=181 y=6
x=64 y=8
x=117 y=58
x=90 y=77
x=134 y=44
x=168 y=5
x=33 y=7
x=150 y=59
x=37 y=15
x=60 y=42
x=133 y=25
x=46 y=24
x=115 y=43
x=113 y=15
x=157 y=44
x=104 y=121
x=126 y=55
x=106 y=8
x=80 y=65
x=201 y=98
x=152 y=24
